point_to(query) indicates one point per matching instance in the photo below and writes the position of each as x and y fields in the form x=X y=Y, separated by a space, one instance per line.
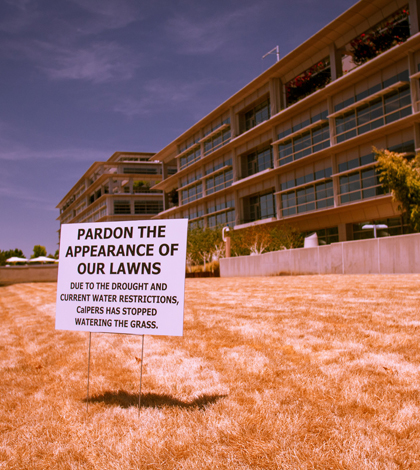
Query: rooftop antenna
x=275 y=50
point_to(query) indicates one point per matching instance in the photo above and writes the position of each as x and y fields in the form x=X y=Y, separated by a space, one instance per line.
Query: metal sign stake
x=141 y=370
x=87 y=391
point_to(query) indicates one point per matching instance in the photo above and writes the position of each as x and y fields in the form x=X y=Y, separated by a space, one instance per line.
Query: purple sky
x=82 y=79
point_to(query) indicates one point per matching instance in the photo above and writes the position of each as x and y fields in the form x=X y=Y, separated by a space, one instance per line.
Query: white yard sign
x=122 y=277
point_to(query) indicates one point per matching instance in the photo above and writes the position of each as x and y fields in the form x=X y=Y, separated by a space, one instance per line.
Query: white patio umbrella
x=42 y=259
x=15 y=259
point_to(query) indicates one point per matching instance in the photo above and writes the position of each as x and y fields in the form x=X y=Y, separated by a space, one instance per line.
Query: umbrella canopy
x=15 y=259
x=42 y=259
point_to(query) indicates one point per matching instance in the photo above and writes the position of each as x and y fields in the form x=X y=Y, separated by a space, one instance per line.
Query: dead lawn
x=308 y=372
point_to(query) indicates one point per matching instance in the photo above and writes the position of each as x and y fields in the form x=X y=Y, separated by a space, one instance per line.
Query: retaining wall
x=19 y=274
x=388 y=255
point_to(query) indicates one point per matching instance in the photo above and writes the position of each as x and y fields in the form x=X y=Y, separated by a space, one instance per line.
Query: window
x=217 y=164
x=309 y=177
x=380 y=111
x=213 y=207
x=257 y=115
x=262 y=207
x=216 y=141
x=219 y=181
x=224 y=218
x=148 y=207
x=191 y=177
x=196 y=224
x=327 y=235
x=190 y=158
x=365 y=160
x=141 y=170
x=309 y=81
x=309 y=142
x=396 y=226
x=257 y=161
x=192 y=193
x=360 y=185
x=309 y=198
x=122 y=207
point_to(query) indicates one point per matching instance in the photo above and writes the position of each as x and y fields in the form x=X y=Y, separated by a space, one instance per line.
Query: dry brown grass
x=310 y=372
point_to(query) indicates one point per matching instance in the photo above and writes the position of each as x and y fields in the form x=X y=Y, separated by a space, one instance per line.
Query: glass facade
x=217 y=141
x=262 y=207
x=361 y=184
x=258 y=161
x=309 y=198
x=257 y=115
x=190 y=158
x=312 y=141
x=380 y=111
x=148 y=207
x=219 y=181
x=192 y=193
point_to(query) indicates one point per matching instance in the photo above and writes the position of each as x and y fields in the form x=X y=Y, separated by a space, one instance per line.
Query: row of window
x=213 y=183
x=190 y=158
x=381 y=111
x=217 y=141
x=303 y=124
x=262 y=206
x=310 y=198
x=311 y=141
x=223 y=218
x=258 y=161
x=140 y=207
x=256 y=115
x=317 y=175
x=219 y=181
x=401 y=77
x=192 y=193
x=142 y=170
x=360 y=185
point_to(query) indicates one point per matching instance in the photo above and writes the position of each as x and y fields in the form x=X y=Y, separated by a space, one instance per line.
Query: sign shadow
x=125 y=399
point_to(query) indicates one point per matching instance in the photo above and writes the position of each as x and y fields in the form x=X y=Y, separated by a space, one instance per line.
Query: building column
x=413 y=83
x=277 y=197
x=238 y=208
x=331 y=121
x=342 y=233
x=275 y=149
x=335 y=62
x=235 y=166
x=274 y=86
x=233 y=124
x=414 y=7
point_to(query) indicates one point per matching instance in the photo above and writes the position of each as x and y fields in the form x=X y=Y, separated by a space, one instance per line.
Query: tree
x=4 y=255
x=402 y=177
x=39 y=250
x=259 y=239
x=203 y=244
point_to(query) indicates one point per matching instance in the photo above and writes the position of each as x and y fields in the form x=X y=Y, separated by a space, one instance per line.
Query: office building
x=295 y=145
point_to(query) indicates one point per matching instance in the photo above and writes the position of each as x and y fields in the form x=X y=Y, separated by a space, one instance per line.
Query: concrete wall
x=18 y=274
x=388 y=255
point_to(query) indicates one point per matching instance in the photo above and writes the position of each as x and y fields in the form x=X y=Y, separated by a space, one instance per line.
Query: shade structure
x=42 y=259
x=15 y=259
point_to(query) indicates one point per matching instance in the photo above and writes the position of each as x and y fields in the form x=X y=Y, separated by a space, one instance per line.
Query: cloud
x=12 y=149
x=163 y=94
x=206 y=35
x=70 y=18
x=17 y=15
x=98 y=62
x=19 y=192
x=107 y=14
